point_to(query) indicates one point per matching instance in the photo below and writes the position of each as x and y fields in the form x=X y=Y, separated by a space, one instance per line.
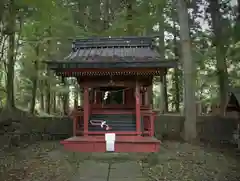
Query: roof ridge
x=121 y=38
x=113 y=42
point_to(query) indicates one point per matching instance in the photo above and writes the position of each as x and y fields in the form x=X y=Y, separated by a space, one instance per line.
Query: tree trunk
x=59 y=101
x=47 y=82
x=106 y=17
x=81 y=96
x=97 y=16
x=81 y=16
x=165 y=96
x=130 y=28
x=54 y=107
x=219 y=42
x=75 y=99
x=161 y=97
x=41 y=97
x=162 y=55
x=2 y=7
x=48 y=97
x=176 y=90
x=150 y=95
x=238 y=16
x=188 y=72
x=176 y=74
x=65 y=104
x=3 y=45
x=10 y=103
x=237 y=25
x=65 y=99
x=34 y=81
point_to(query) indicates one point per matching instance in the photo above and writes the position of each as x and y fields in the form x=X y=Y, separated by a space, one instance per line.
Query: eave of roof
x=119 y=64
x=109 y=73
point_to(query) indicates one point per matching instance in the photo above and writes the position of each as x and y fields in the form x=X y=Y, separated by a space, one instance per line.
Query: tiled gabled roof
x=114 y=54
x=123 y=52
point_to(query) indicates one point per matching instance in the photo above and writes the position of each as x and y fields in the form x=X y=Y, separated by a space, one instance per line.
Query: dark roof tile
x=113 y=54
x=123 y=51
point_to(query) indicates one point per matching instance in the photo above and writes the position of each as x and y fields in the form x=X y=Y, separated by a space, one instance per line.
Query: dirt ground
x=176 y=161
x=184 y=162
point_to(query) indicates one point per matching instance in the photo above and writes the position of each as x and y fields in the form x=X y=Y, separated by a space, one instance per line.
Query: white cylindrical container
x=110 y=141
x=110 y=146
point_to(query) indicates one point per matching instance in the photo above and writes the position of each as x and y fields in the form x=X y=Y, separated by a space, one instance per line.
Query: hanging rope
x=114 y=91
x=106 y=93
x=103 y=124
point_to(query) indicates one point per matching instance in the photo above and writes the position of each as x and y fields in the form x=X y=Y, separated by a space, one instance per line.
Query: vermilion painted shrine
x=115 y=75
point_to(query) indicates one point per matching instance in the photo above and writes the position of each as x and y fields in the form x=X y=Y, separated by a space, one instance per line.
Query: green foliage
x=49 y=25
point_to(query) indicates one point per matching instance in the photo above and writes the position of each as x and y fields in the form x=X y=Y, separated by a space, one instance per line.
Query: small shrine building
x=115 y=76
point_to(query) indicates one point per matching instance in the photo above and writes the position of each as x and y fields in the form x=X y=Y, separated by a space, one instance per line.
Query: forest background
x=203 y=36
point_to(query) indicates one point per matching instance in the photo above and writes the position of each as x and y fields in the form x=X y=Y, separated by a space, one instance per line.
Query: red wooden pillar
x=85 y=110
x=138 y=114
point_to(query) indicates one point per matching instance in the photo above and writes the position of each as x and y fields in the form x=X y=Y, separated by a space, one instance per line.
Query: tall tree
x=65 y=98
x=163 y=82
x=129 y=18
x=188 y=72
x=35 y=80
x=219 y=41
x=176 y=76
x=11 y=31
x=2 y=7
x=237 y=25
x=106 y=16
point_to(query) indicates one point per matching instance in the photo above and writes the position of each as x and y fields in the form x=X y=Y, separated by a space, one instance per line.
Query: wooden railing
x=148 y=121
